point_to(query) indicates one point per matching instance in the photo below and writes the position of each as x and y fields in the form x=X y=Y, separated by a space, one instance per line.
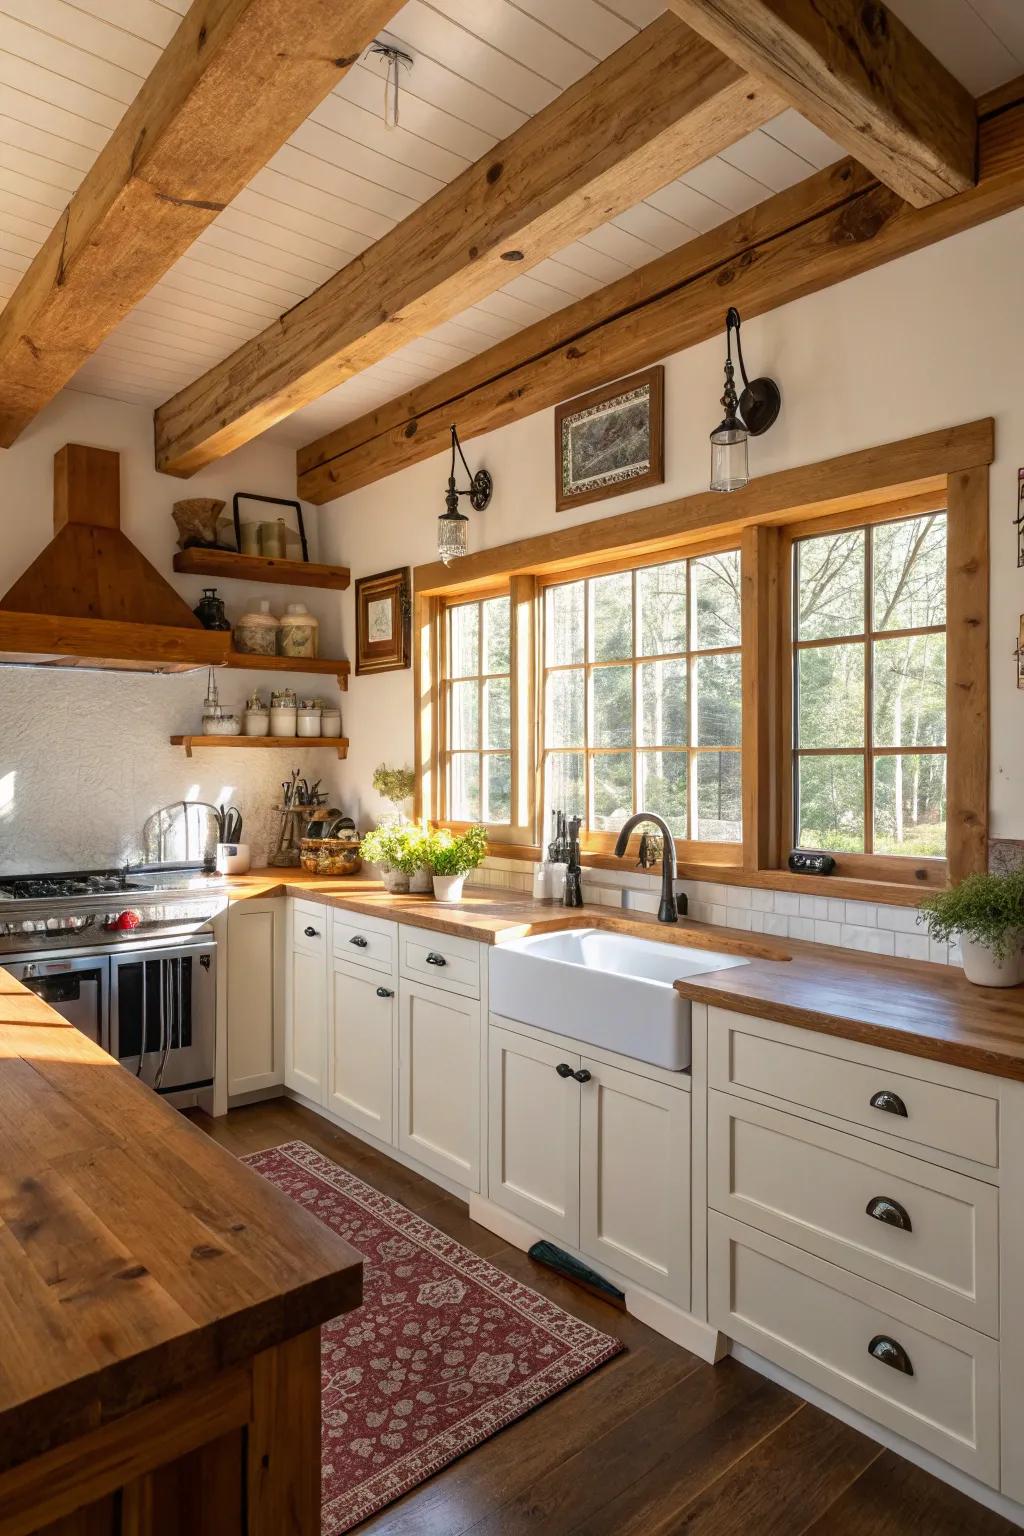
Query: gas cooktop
x=94 y=882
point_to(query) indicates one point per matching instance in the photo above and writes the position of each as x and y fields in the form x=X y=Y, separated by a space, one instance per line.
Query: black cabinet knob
x=384 y=992
x=358 y=941
x=891 y=1354
x=582 y=1076
x=564 y=1070
x=889 y=1211
x=435 y=959
x=890 y=1102
x=311 y=933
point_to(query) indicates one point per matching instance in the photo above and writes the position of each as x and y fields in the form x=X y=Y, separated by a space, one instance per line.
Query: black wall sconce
x=754 y=412
x=452 y=525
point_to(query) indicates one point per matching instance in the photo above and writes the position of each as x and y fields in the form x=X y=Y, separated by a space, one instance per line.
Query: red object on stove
x=124 y=922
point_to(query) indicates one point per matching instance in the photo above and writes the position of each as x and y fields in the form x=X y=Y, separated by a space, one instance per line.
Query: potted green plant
x=985 y=913
x=450 y=858
x=394 y=784
x=398 y=851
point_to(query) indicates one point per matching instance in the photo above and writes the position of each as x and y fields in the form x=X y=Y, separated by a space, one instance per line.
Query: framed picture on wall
x=611 y=440
x=383 y=621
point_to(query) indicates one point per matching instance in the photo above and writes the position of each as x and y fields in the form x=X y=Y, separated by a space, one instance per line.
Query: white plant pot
x=448 y=887
x=983 y=969
x=395 y=881
x=420 y=883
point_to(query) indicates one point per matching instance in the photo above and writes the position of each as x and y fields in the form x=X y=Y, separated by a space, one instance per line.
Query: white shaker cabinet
x=361 y=1050
x=439 y=1081
x=255 y=994
x=306 y=1005
x=534 y=1132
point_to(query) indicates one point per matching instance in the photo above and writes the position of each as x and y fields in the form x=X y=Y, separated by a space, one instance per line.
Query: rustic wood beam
x=661 y=104
x=856 y=71
x=236 y=79
x=834 y=225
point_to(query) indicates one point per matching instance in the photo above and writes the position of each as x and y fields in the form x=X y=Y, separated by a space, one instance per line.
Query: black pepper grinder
x=573 y=896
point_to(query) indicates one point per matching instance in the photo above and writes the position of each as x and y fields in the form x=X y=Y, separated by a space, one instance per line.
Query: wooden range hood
x=91 y=599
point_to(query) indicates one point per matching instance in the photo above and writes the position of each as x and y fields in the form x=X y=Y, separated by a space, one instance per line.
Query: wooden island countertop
x=912 y=1006
x=160 y=1303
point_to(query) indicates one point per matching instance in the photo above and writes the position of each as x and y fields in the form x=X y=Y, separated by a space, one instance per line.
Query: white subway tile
x=739 y=896
x=739 y=919
x=787 y=903
x=826 y=932
x=763 y=901
x=801 y=927
x=874 y=941
x=899 y=919
x=640 y=901
x=955 y=953
x=863 y=914
x=813 y=906
x=912 y=946
x=836 y=911
x=776 y=924
x=717 y=894
x=757 y=921
x=938 y=953
x=719 y=914
x=700 y=911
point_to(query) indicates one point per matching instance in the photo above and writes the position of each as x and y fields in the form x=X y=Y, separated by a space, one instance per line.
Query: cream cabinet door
x=534 y=1132
x=305 y=1039
x=635 y=1178
x=255 y=996
x=361 y=1049
x=439 y=1081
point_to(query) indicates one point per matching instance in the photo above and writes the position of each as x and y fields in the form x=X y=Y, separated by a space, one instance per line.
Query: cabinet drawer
x=440 y=960
x=823 y=1324
x=365 y=941
x=933 y=1237
x=309 y=926
x=869 y=1087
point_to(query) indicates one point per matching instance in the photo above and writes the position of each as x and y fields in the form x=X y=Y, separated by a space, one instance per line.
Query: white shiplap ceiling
x=482 y=67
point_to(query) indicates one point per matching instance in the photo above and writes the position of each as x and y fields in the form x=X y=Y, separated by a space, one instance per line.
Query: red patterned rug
x=445 y=1350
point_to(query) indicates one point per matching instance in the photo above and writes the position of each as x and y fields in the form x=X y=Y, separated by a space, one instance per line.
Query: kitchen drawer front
x=309 y=926
x=873 y=1088
x=440 y=960
x=366 y=941
x=935 y=1237
x=819 y=1322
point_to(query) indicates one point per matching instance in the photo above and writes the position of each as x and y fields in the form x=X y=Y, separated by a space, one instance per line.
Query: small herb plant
x=447 y=854
x=403 y=848
x=394 y=784
x=986 y=908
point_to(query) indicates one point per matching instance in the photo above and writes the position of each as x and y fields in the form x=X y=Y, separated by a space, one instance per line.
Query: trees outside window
x=477 y=709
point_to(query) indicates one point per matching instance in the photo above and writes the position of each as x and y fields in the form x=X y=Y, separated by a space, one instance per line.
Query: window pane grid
x=881 y=700
x=476 y=711
x=625 y=735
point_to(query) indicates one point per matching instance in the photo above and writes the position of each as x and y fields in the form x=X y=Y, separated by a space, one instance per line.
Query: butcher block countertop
x=904 y=1005
x=137 y=1257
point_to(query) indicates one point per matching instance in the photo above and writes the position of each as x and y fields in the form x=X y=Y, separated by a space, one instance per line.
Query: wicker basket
x=330 y=855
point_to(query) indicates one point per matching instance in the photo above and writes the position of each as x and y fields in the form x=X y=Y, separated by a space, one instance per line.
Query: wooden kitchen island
x=160 y=1310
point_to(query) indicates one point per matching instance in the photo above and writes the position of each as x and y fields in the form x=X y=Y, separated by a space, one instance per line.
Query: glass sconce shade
x=452 y=536
x=729 y=468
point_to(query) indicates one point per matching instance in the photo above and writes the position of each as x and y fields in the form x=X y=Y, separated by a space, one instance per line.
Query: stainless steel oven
x=76 y=987
x=163 y=1012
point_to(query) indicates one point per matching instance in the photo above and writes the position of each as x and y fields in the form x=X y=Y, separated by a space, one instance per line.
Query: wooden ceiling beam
x=861 y=76
x=663 y=103
x=236 y=79
x=835 y=225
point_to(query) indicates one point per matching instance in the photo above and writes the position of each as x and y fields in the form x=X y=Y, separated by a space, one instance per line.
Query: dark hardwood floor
x=655 y=1442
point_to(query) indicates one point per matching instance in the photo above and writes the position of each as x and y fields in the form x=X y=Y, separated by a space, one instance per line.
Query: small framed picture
x=383 y=621
x=611 y=440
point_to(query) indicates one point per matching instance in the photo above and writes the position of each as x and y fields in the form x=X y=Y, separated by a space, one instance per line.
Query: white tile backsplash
x=863 y=925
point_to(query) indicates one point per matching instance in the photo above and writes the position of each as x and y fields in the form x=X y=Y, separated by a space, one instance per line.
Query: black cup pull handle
x=889 y=1211
x=384 y=992
x=582 y=1076
x=435 y=959
x=890 y=1102
x=358 y=941
x=564 y=1070
x=891 y=1354
x=311 y=933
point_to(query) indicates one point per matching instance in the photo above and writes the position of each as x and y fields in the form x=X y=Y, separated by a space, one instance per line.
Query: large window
x=641 y=698
x=477 y=711
x=869 y=689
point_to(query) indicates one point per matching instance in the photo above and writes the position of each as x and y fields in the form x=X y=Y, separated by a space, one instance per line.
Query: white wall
x=85 y=756
x=933 y=340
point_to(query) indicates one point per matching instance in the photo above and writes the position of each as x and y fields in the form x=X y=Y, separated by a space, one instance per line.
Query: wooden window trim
x=948 y=468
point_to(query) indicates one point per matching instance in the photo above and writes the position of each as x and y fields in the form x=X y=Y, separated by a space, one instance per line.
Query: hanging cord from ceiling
x=395 y=60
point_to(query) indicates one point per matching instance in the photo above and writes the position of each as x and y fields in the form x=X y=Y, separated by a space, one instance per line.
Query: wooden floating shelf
x=308 y=664
x=299 y=743
x=225 y=563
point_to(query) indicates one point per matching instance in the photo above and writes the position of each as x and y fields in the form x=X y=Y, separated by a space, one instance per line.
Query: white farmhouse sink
x=608 y=989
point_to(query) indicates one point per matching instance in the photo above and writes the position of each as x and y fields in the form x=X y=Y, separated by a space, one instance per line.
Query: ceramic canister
x=256 y=632
x=299 y=632
x=308 y=719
